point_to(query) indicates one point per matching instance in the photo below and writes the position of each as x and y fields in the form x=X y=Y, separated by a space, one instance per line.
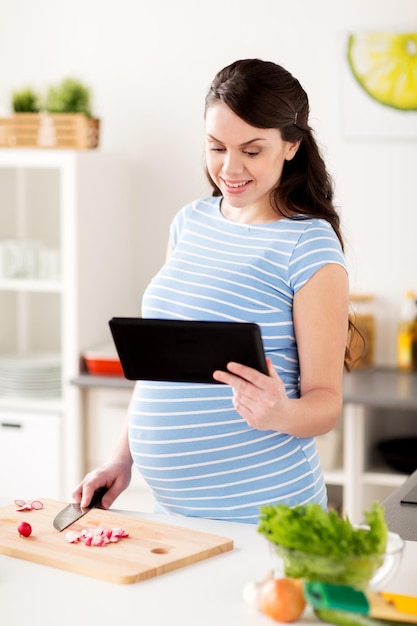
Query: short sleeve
x=177 y=225
x=318 y=245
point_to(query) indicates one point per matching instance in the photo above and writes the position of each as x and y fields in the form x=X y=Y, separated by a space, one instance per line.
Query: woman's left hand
x=258 y=398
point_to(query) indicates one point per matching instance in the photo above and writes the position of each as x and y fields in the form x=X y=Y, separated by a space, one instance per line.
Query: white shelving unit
x=77 y=206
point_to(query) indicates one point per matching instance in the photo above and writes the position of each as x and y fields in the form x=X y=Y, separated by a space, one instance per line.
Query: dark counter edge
x=402 y=518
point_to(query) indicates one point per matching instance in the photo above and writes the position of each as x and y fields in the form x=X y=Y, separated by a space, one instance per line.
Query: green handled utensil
x=342 y=598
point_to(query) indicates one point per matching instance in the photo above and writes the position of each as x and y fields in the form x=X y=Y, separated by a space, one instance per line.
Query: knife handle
x=97 y=496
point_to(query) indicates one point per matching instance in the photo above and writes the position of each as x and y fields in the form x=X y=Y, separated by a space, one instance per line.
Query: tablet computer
x=184 y=351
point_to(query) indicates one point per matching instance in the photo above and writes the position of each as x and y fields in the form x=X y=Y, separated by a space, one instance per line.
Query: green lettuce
x=321 y=545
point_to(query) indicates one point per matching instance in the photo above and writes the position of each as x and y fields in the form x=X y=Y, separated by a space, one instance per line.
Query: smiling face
x=245 y=163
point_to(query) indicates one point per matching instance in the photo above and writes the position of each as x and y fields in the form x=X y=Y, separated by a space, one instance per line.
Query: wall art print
x=379 y=91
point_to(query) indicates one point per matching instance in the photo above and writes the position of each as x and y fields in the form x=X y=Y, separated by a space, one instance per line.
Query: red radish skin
x=24 y=529
x=98 y=536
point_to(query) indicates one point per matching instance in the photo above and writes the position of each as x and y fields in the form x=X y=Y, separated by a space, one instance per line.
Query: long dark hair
x=265 y=95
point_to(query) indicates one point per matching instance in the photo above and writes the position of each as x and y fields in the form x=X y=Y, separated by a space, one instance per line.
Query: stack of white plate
x=30 y=375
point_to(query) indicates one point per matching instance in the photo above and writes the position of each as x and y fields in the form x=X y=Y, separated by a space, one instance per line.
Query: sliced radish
x=98 y=536
x=22 y=505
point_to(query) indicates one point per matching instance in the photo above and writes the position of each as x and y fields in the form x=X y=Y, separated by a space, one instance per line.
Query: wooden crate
x=49 y=130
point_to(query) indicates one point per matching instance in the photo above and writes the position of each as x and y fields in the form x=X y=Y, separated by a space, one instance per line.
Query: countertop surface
x=381 y=387
x=206 y=593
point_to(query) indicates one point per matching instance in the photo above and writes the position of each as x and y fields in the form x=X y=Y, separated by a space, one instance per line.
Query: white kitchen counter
x=207 y=593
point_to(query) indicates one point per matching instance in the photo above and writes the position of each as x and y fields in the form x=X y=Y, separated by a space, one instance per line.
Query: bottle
x=414 y=342
x=406 y=331
x=362 y=347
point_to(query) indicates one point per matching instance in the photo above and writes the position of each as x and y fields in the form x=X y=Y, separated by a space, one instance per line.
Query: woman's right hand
x=115 y=477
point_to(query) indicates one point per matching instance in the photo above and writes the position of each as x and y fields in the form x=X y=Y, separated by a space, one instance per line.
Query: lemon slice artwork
x=385 y=66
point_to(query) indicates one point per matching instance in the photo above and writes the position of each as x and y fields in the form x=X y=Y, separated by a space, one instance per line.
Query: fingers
x=256 y=396
x=108 y=499
x=236 y=372
x=114 y=478
x=87 y=495
x=271 y=369
x=77 y=493
x=85 y=491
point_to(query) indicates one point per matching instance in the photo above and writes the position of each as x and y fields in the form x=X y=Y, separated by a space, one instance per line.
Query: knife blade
x=73 y=511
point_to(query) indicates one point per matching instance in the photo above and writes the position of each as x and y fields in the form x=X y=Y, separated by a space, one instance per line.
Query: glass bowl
x=370 y=571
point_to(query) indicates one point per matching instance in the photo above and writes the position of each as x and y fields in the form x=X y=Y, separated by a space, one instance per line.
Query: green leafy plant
x=321 y=545
x=25 y=101
x=69 y=96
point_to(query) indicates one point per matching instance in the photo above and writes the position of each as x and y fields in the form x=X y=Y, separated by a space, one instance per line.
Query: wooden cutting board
x=152 y=548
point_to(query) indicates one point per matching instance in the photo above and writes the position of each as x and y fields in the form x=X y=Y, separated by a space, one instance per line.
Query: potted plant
x=25 y=101
x=62 y=119
x=69 y=96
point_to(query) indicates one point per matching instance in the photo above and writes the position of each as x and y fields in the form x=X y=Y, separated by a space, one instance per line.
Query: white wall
x=149 y=64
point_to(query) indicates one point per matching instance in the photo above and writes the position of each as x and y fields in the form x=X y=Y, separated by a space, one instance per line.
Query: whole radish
x=24 y=529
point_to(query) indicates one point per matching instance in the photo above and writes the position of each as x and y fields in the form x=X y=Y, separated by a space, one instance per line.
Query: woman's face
x=245 y=163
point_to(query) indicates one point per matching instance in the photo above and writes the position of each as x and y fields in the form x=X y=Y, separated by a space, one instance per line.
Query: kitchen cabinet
x=379 y=403
x=30 y=442
x=66 y=250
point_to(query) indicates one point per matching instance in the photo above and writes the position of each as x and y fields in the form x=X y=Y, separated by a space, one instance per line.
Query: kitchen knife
x=72 y=512
x=380 y=605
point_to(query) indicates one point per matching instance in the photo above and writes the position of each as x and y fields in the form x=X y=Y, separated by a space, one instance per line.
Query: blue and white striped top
x=197 y=454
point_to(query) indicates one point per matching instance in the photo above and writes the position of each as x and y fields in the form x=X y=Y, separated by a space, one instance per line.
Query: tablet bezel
x=183 y=350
